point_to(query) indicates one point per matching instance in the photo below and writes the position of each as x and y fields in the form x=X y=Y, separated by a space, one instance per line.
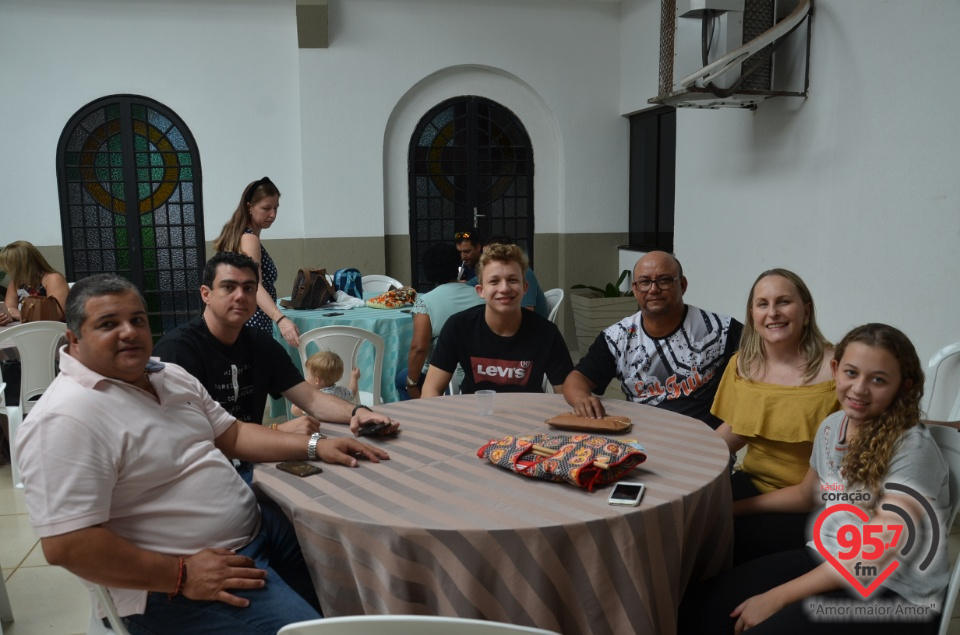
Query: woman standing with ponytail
x=241 y=234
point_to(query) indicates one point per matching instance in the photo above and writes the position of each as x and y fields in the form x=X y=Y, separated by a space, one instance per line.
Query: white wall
x=856 y=188
x=555 y=63
x=228 y=68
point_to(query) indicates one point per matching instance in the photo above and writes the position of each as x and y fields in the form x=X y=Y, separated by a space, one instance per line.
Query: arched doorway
x=471 y=169
x=128 y=171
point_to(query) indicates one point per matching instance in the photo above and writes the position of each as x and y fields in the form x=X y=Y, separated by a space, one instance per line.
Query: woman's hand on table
x=344 y=451
x=290 y=332
x=301 y=425
x=5 y=319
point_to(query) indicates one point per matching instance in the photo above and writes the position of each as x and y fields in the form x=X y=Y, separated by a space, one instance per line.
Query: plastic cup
x=485 y=401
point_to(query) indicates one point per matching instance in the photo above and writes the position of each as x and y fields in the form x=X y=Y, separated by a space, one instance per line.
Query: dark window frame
x=653 y=160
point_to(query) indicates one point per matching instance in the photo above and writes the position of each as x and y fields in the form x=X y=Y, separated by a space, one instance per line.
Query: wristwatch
x=312 y=446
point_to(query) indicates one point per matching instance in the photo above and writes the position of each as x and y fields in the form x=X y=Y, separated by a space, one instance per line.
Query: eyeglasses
x=461 y=235
x=643 y=285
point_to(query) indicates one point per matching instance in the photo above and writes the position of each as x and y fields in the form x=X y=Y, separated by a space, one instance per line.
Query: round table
x=436 y=530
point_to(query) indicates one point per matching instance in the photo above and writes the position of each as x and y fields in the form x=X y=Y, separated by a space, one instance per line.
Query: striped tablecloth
x=437 y=531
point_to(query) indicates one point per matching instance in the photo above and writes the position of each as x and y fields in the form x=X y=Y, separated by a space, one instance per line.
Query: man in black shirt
x=239 y=365
x=499 y=345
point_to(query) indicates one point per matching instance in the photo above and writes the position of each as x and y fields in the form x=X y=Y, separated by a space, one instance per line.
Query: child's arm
x=354 y=384
x=796 y=498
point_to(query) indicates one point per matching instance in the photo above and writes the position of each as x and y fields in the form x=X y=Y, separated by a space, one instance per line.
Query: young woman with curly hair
x=861 y=453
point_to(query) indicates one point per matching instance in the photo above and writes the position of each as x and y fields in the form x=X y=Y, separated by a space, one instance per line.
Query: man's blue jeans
x=280 y=602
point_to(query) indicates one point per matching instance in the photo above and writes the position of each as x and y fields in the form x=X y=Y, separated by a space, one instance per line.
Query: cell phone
x=372 y=428
x=626 y=493
x=331 y=314
x=299 y=468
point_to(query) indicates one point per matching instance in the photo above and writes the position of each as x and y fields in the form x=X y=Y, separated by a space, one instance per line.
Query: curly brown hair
x=872 y=449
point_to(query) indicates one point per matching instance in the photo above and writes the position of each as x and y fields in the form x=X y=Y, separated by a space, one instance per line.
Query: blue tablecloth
x=393 y=325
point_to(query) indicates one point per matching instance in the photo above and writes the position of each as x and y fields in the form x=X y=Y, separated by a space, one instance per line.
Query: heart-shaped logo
x=865 y=591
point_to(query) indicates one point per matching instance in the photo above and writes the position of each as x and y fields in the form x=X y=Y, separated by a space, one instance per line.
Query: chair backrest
x=37 y=343
x=375 y=283
x=102 y=597
x=406 y=625
x=941 y=400
x=346 y=342
x=554 y=299
x=948 y=439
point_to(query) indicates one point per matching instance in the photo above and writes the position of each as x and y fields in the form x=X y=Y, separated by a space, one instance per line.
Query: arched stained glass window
x=130 y=203
x=471 y=170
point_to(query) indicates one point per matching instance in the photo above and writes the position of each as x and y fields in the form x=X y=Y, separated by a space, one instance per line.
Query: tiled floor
x=49 y=600
x=45 y=599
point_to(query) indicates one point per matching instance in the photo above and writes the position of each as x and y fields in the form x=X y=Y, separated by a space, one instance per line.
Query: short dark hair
x=441 y=261
x=240 y=261
x=94 y=287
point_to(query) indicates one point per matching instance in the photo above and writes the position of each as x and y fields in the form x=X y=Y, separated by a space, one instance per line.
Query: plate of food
x=393 y=299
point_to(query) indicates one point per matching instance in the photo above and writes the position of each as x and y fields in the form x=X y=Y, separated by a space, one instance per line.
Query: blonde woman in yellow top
x=773 y=395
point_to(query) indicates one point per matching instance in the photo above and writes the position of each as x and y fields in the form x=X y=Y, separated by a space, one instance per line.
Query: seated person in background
x=873 y=445
x=499 y=345
x=137 y=492
x=533 y=299
x=239 y=364
x=431 y=311
x=324 y=370
x=470 y=248
x=669 y=354
x=773 y=395
x=29 y=274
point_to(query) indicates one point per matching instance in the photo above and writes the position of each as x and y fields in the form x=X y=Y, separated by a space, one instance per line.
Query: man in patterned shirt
x=669 y=354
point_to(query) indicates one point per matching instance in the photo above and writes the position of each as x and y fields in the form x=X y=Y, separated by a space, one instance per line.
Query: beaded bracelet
x=181 y=579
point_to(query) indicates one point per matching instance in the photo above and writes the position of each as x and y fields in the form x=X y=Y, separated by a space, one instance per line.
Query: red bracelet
x=181 y=579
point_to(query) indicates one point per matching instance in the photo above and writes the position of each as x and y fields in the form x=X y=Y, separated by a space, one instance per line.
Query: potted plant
x=596 y=308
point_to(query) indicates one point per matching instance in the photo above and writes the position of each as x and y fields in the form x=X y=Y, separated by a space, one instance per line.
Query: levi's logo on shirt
x=500 y=371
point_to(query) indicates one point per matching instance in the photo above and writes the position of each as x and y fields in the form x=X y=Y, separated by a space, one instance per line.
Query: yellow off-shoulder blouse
x=779 y=423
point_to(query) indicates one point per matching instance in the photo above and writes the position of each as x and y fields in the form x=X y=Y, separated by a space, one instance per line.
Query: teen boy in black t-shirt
x=499 y=345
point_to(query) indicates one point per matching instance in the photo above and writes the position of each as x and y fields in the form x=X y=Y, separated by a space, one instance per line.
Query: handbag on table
x=310 y=290
x=36 y=308
x=583 y=460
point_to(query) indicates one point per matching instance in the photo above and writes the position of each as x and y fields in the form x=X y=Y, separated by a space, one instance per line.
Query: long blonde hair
x=812 y=342
x=229 y=238
x=24 y=264
x=870 y=452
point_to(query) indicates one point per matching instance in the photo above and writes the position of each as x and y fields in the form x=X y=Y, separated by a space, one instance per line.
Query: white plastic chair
x=554 y=300
x=6 y=611
x=375 y=283
x=345 y=341
x=37 y=343
x=942 y=390
x=96 y=627
x=406 y=625
x=948 y=439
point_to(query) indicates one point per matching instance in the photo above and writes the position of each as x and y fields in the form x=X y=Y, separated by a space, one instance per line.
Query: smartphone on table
x=626 y=493
x=299 y=468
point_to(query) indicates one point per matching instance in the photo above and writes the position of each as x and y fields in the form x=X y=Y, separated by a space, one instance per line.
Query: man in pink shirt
x=129 y=484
